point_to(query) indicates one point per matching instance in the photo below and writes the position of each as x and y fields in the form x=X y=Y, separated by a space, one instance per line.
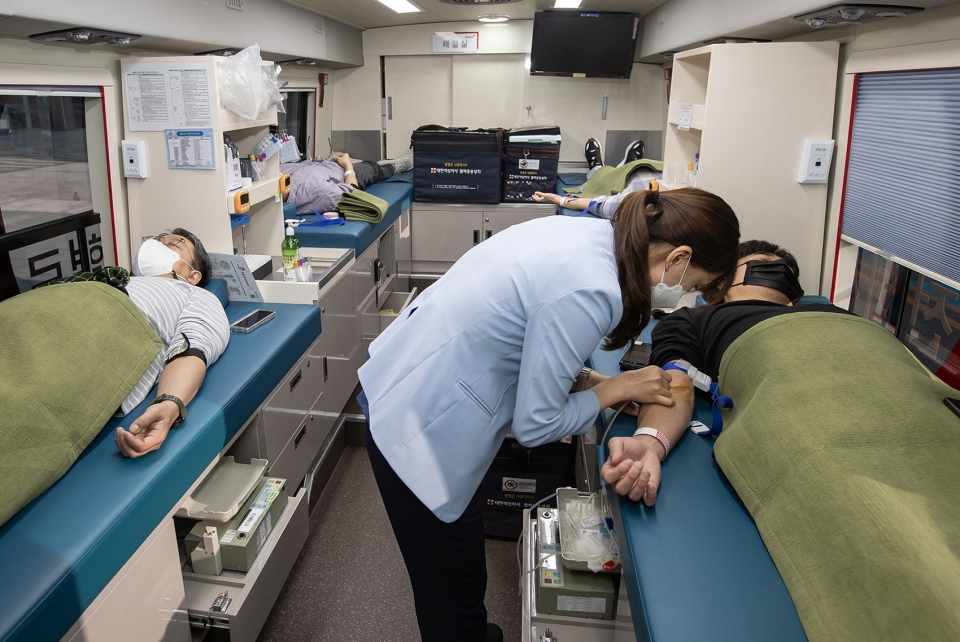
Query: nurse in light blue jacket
x=497 y=342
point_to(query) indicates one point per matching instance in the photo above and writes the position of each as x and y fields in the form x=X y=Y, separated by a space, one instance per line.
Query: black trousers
x=446 y=562
x=369 y=173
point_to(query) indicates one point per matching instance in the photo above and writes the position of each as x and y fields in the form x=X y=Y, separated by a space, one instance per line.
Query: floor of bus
x=350 y=584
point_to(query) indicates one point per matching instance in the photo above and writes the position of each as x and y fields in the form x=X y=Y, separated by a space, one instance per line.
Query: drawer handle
x=296 y=379
x=300 y=436
x=489 y=233
x=476 y=237
x=326 y=371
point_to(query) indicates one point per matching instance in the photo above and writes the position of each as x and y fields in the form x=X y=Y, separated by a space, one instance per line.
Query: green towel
x=612 y=180
x=841 y=448
x=70 y=355
x=358 y=205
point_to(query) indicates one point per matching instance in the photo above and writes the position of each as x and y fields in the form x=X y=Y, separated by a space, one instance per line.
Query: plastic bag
x=595 y=546
x=247 y=87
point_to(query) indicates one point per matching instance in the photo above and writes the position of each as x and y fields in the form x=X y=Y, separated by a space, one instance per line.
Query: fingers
x=615 y=447
x=630 y=478
x=665 y=401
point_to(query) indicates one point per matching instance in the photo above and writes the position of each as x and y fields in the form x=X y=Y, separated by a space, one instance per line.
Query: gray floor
x=350 y=584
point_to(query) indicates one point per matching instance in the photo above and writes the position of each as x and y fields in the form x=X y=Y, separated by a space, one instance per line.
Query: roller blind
x=903 y=178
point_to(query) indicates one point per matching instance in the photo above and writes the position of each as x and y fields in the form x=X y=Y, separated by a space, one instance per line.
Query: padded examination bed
x=60 y=551
x=694 y=565
x=397 y=191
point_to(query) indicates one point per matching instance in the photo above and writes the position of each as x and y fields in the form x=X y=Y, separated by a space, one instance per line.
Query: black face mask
x=775 y=275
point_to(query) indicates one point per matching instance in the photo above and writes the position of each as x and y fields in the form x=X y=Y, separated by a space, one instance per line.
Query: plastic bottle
x=691 y=176
x=290 y=253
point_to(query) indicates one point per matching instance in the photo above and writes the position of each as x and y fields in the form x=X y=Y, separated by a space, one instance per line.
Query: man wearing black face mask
x=765 y=285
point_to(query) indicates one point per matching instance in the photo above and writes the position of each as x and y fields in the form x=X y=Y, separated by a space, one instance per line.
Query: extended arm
x=572 y=203
x=633 y=465
x=181 y=378
x=343 y=160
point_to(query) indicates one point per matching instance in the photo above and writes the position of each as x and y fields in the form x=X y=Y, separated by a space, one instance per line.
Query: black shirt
x=702 y=335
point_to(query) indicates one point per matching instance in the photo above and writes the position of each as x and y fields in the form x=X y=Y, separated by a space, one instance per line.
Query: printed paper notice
x=166 y=95
x=582 y=604
x=686 y=115
x=241 y=285
x=190 y=148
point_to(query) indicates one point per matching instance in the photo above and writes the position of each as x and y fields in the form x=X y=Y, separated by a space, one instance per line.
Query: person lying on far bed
x=318 y=185
x=838 y=443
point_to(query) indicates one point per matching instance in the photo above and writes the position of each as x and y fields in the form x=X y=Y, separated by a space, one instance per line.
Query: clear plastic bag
x=246 y=86
x=595 y=546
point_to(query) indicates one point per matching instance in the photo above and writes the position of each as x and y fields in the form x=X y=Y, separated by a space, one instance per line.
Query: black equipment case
x=518 y=478
x=529 y=167
x=456 y=165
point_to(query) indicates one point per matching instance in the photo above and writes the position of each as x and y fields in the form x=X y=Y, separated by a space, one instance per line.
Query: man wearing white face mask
x=169 y=274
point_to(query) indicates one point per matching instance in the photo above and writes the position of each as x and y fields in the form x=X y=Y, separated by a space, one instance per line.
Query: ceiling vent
x=727 y=40
x=853 y=14
x=476 y=2
x=85 y=36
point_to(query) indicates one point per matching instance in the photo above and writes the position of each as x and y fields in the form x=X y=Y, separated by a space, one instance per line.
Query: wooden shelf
x=259 y=192
x=250 y=124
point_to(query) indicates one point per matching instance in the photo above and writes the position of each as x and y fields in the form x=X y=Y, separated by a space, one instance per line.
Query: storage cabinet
x=752 y=107
x=198 y=199
x=442 y=233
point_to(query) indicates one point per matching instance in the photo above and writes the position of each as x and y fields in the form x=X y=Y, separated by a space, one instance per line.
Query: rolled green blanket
x=608 y=180
x=842 y=450
x=358 y=205
x=70 y=355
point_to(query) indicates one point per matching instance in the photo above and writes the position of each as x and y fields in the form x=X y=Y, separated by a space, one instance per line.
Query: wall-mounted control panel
x=134 y=158
x=815 y=161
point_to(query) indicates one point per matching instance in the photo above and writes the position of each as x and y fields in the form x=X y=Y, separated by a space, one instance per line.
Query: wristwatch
x=180 y=405
x=580 y=384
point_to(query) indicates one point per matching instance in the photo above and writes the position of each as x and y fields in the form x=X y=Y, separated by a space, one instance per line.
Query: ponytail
x=688 y=216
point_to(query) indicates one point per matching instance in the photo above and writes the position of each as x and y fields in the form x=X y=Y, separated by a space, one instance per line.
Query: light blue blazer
x=498 y=340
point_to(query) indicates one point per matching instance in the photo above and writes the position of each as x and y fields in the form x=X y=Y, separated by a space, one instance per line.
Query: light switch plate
x=815 y=161
x=134 y=158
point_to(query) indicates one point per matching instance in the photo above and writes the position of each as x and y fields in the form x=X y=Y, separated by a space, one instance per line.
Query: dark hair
x=678 y=217
x=757 y=246
x=201 y=260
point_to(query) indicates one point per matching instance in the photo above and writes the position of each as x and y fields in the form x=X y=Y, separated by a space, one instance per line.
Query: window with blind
x=903 y=179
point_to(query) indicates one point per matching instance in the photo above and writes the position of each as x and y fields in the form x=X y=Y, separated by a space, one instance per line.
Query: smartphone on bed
x=638 y=356
x=252 y=321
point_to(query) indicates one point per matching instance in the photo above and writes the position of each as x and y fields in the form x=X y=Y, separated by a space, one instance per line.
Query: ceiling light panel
x=400 y=6
x=566 y=4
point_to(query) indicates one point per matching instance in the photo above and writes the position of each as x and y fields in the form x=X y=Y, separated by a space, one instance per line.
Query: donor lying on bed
x=838 y=443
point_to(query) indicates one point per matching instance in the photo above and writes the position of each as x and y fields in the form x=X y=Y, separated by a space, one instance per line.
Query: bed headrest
x=219 y=288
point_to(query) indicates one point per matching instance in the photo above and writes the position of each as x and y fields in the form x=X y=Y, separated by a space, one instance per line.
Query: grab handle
x=476 y=237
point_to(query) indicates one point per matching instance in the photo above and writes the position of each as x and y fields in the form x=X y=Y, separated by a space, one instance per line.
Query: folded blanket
x=609 y=180
x=70 y=355
x=361 y=206
x=841 y=448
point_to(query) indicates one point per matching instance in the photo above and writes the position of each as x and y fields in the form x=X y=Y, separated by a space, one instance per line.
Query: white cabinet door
x=488 y=90
x=498 y=221
x=419 y=92
x=444 y=236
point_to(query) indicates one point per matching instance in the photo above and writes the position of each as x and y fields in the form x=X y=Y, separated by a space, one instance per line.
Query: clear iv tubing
x=549 y=497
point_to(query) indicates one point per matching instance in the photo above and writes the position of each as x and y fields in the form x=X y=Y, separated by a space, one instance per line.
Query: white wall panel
x=356 y=96
x=488 y=90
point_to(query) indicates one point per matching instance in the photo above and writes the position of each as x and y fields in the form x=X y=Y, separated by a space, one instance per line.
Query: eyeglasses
x=178 y=242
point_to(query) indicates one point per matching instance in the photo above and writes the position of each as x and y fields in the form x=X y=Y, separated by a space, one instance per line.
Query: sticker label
x=529 y=163
x=591 y=521
x=272 y=496
x=582 y=604
x=228 y=537
x=264 y=531
x=512 y=484
x=247 y=525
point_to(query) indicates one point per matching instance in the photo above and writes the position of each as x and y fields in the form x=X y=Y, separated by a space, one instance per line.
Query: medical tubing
x=520 y=541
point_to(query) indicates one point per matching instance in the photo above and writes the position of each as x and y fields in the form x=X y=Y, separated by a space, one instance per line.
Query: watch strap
x=656 y=434
x=182 y=407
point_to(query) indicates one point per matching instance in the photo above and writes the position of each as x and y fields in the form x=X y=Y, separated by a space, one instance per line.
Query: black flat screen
x=596 y=45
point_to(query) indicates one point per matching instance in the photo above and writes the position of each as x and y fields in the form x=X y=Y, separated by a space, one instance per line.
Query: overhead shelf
x=259 y=192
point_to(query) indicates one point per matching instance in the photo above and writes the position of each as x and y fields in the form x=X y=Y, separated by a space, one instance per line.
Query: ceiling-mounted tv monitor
x=583 y=44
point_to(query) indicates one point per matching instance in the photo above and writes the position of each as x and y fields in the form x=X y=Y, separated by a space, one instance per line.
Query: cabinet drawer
x=285 y=410
x=252 y=593
x=374 y=320
x=302 y=449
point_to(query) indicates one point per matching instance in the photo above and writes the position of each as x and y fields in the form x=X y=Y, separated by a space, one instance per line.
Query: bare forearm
x=672 y=422
x=182 y=378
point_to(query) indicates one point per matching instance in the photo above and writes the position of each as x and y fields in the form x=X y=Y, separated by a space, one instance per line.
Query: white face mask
x=665 y=296
x=156 y=259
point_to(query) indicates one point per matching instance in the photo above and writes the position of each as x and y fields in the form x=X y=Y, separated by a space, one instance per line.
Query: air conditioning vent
x=85 y=36
x=235 y=4
x=853 y=14
x=475 y=2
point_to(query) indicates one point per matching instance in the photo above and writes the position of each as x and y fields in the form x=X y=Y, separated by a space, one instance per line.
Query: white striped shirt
x=176 y=310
